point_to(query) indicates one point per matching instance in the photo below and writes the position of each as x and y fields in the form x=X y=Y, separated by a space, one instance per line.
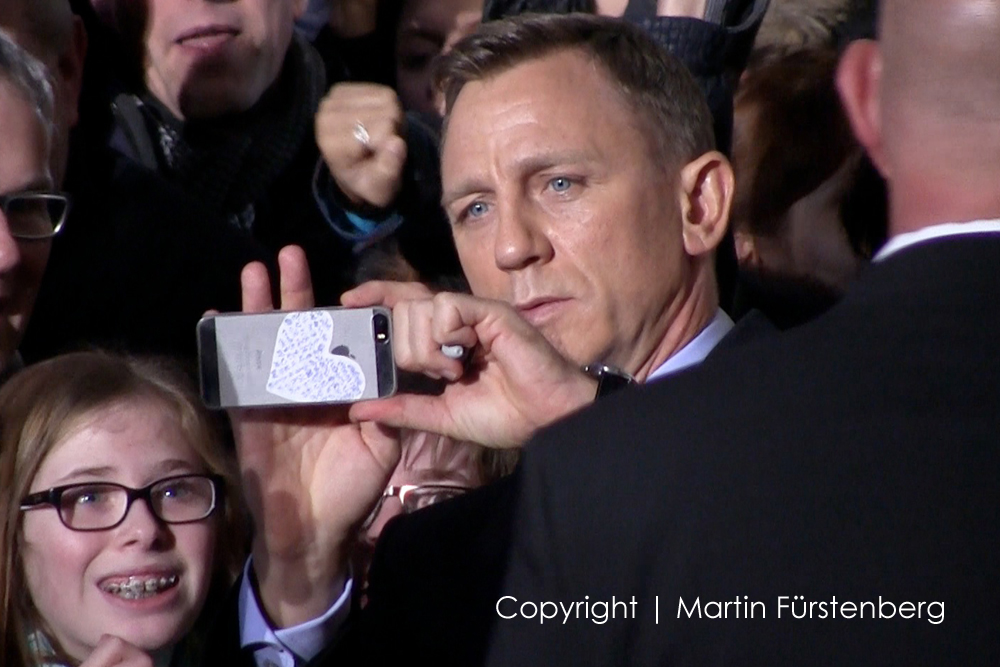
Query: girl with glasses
x=115 y=522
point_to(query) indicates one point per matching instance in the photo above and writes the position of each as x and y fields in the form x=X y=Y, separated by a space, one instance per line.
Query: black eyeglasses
x=103 y=505
x=33 y=216
x=416 y=496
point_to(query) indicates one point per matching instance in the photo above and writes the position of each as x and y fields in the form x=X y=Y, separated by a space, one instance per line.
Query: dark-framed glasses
x=33 y=216
x=103 y=505
x=416 y=496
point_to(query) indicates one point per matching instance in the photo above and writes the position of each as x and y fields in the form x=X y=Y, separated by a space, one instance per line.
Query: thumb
x=412 y=411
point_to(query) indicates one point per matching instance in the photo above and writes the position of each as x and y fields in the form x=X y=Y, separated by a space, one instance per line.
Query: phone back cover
x=316 y=356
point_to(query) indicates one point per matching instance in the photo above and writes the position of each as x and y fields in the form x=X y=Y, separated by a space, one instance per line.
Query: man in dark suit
x=829 y=497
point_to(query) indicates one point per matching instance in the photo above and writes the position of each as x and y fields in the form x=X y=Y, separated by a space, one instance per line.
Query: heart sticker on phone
x=302 y=367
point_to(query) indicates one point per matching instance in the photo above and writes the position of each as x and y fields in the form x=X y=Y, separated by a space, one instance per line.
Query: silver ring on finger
x=361 y=134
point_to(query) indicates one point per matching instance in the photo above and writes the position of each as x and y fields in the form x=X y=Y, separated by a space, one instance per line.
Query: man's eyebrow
x=530 y=164
x=463 y=189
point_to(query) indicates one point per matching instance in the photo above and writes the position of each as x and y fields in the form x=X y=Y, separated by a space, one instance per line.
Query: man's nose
x=521 y=237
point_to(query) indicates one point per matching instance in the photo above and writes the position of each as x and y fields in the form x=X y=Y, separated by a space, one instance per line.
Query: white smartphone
x=306 y=357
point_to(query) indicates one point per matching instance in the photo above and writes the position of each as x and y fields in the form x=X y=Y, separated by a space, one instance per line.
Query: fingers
x=412 y=411
x=378 y=182
x=368 y=171
x=384 y=293
x=256 y=288
x=296 y=282
x=420 y=328
x=115 y=652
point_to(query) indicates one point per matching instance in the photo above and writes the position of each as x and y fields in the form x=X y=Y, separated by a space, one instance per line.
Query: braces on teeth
x=138 y=587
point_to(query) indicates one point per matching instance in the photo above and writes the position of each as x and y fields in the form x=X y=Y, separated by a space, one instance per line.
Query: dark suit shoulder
x=853 y=457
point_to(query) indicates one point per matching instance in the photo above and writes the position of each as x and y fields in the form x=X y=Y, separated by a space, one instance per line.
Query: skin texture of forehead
x=601 y=84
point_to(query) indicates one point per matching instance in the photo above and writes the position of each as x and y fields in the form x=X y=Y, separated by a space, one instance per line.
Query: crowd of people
x=722 y=269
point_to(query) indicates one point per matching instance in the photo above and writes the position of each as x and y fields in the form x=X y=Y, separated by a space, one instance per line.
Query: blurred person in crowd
x=178 y=203
x=48 y=30
x=431 y=469
x=795 y=25
x=853 y=468
x=120 y=517
x=425 y=30
x=790 y=26
x=810 y=211
x=31 y=211
x=229 y=114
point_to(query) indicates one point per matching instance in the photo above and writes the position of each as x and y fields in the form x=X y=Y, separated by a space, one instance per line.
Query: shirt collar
x=697 y=348
x=902 y=241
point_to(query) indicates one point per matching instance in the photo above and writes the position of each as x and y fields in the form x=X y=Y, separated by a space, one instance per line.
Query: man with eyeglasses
x=30 y=212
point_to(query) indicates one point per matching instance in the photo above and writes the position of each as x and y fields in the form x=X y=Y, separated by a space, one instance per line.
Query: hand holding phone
x=305 y=357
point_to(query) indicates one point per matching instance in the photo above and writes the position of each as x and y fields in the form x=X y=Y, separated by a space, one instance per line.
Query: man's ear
x=706 y=190
x=859 y=81
x=70 y=65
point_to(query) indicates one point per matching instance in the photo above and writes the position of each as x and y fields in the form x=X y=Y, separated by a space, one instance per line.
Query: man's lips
x=207 y=33
x=536 y=311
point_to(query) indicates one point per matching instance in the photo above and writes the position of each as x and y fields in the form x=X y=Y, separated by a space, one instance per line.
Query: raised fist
x=360 y=130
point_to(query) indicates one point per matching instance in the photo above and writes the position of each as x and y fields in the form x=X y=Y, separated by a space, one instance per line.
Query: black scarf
x=228 y=162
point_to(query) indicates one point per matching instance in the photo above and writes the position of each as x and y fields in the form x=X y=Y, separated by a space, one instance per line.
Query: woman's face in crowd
x=74 y=577
x=426 y=29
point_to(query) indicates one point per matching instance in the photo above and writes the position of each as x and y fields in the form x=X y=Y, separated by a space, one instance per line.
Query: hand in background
x=368 y=172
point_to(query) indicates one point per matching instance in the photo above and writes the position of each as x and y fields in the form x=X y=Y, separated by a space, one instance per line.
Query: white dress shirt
x=289 y=646
x=697 y=348
x=926 y=234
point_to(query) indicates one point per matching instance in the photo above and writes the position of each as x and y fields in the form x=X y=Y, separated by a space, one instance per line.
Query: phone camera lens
x=380 y=325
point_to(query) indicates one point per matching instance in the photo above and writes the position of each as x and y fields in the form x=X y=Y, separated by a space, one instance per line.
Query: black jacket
x=855 y=457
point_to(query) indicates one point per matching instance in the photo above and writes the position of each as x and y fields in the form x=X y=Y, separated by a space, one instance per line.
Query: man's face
x=559 y=208
x=15 y=19
x=207 y=59
x=23 y=166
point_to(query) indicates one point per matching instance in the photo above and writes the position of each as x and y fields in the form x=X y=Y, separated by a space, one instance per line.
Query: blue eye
x=476 y=210
x=560 y=184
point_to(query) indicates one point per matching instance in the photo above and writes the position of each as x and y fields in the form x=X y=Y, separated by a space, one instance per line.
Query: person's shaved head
x=941 y=59
x=926 y=103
